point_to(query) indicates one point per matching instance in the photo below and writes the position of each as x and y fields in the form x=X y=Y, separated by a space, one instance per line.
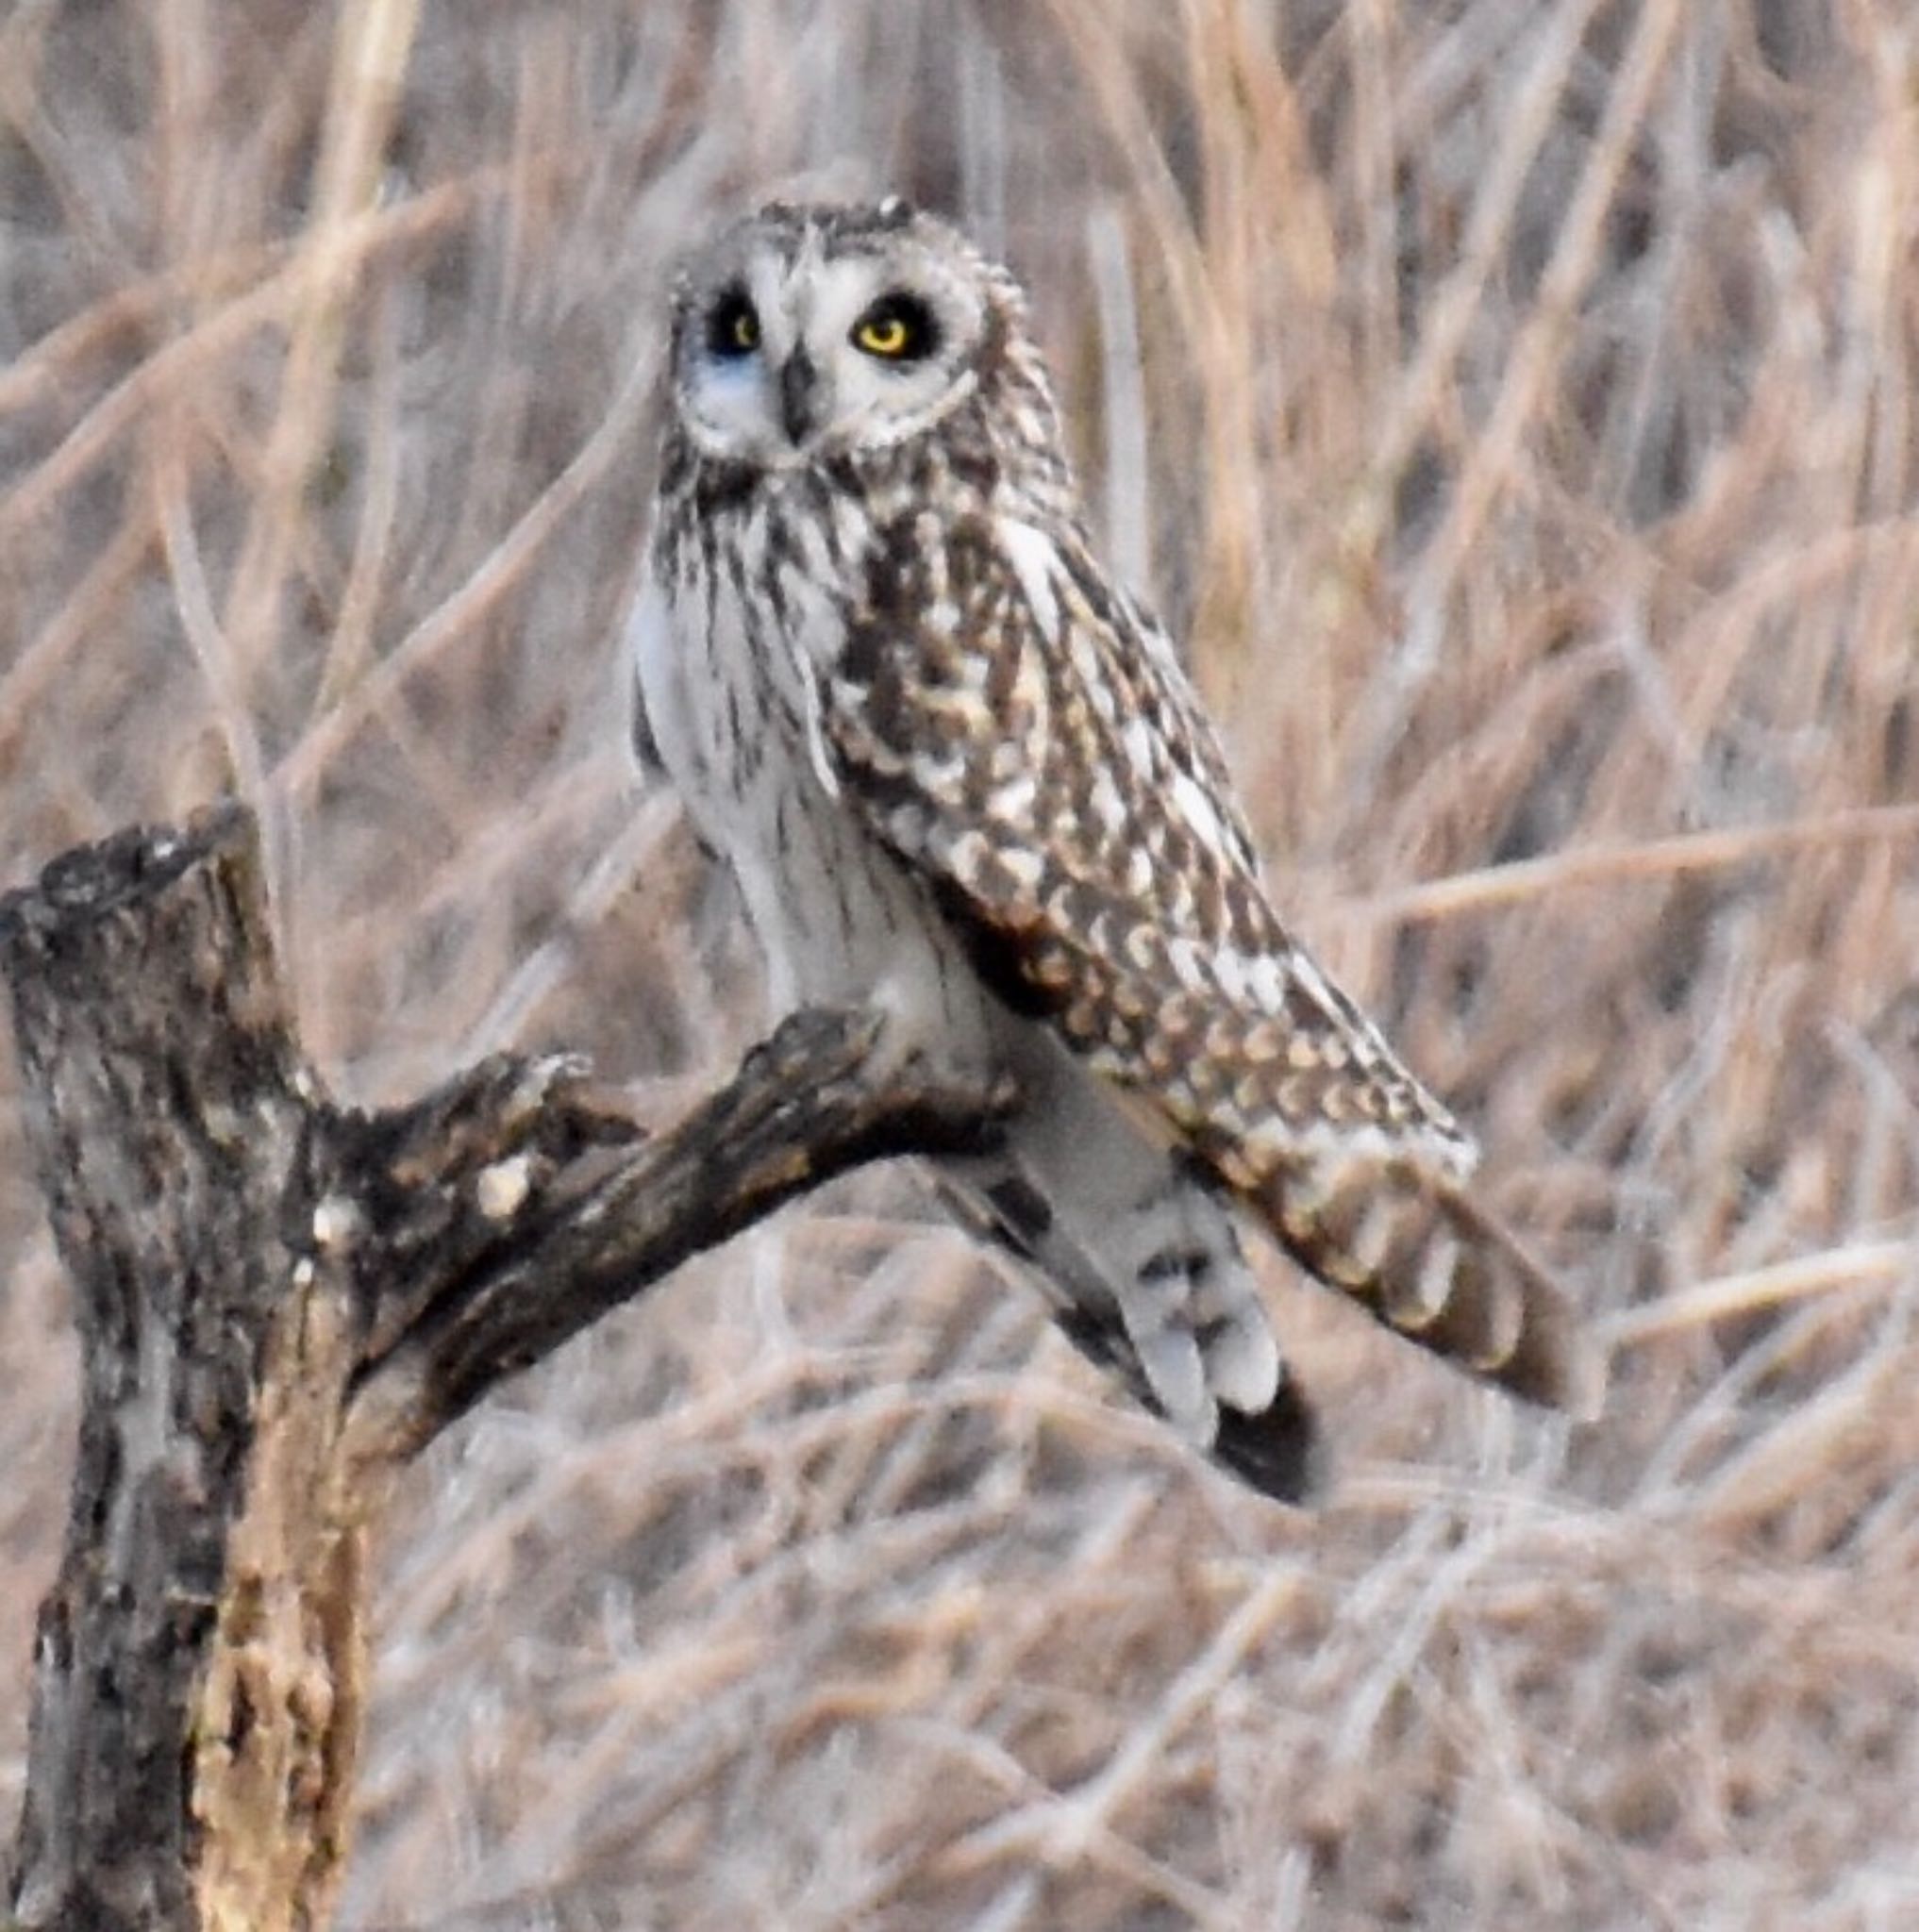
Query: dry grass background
x=1515 y=401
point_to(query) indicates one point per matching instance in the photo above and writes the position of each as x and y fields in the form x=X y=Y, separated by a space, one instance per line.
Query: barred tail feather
x=1433 y=1266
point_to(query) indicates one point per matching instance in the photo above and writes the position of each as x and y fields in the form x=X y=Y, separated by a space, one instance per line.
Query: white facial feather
x=812 y=302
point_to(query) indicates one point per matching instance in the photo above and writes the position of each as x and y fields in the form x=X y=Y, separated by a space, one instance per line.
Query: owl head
x=806 y=332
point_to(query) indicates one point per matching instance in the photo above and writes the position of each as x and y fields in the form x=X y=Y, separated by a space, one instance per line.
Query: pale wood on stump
x=280 y=1302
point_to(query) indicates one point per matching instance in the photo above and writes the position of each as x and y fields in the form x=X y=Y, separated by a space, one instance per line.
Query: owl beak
x=799 y=392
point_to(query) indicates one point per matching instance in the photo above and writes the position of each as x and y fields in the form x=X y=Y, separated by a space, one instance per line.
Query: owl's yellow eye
x=745 y=330
x=897 y=328
x=885 y=336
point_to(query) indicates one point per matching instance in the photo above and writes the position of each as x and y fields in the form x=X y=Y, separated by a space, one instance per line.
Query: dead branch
x=281 y=1301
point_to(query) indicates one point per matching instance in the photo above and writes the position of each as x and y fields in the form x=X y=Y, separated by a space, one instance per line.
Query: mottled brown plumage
x=950 y=759
x=1153 y=948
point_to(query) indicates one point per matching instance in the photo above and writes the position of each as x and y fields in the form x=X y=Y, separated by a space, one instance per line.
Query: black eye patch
x=732 y=325
x=898 y=327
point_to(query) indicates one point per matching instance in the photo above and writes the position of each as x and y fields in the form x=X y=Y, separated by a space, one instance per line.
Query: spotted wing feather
x=1022 y=736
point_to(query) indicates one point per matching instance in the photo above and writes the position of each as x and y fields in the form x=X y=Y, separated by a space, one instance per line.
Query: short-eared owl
x=959 y=773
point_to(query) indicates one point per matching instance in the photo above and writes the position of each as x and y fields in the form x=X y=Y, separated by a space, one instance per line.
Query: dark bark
x=280 y=1302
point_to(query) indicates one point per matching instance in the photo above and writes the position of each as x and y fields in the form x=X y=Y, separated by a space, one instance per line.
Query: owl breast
x=739 y=626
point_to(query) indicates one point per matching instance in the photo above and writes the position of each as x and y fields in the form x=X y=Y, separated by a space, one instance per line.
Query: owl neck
x=1001 y=447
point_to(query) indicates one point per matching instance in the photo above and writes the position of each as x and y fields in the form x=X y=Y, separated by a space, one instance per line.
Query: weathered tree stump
x=280 y=1302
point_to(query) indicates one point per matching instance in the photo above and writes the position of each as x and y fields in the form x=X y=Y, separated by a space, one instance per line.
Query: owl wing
x=1020 y=734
